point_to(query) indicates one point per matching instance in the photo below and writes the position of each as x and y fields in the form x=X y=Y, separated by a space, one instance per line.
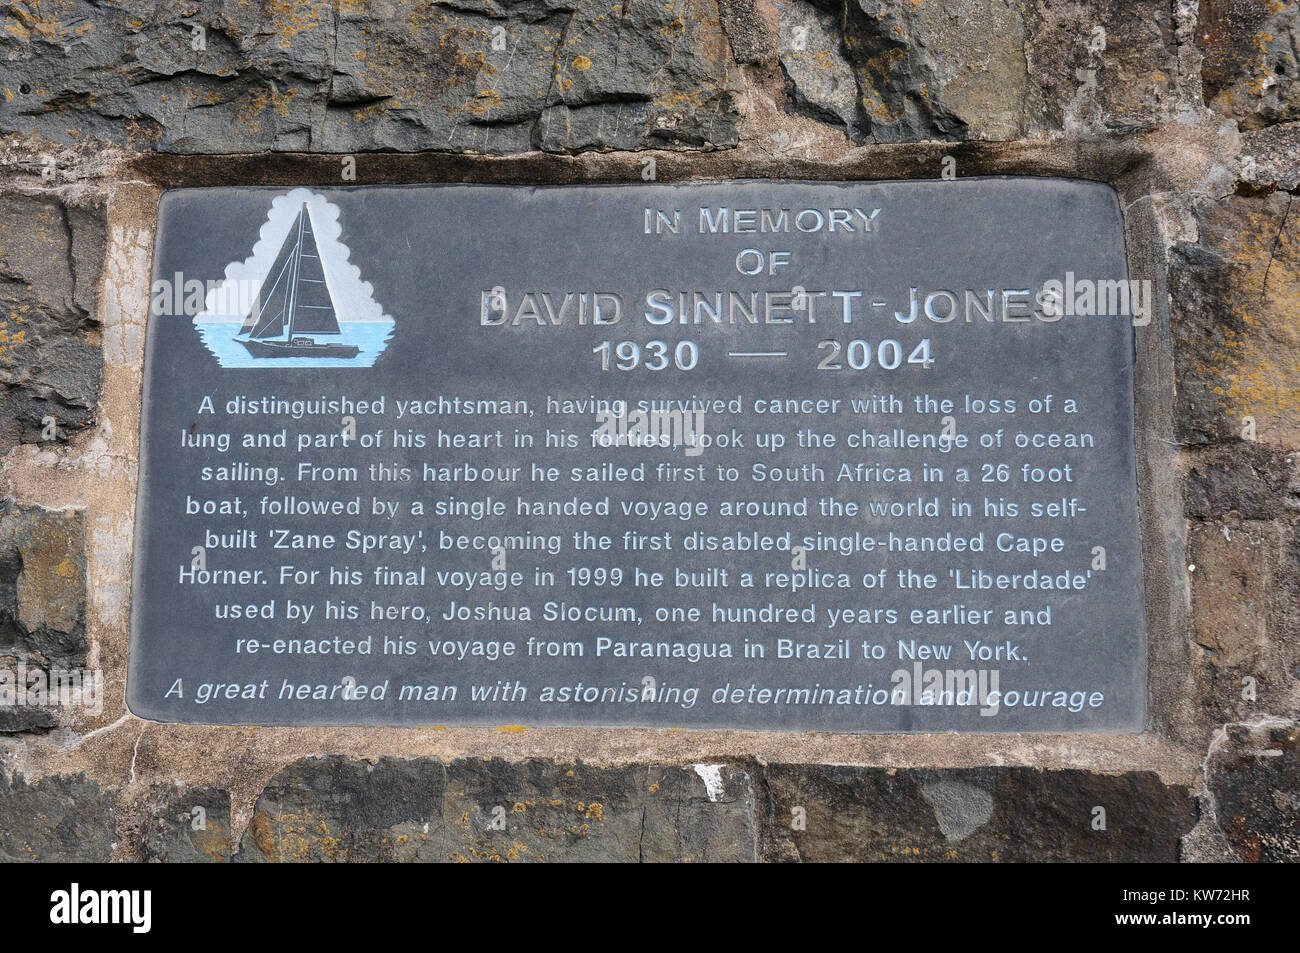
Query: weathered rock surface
x=188 y=825
x=1247 y=480
x=503 y=76
x=1236 y=322
x=1251 y=66
x=14 y=719
x=42 y=585
x=822 y=84
x=1110 y=64
x=1255 y=779
x=751 y=37
x=1243 y=560
x=1231 y=586
x=50 y=259
x=333 y=809
x=491 y=77
x=899 y=72
x=823 y=813
x=1271 y=156
x=960 y=69
x=469 y=810
x=58 y=818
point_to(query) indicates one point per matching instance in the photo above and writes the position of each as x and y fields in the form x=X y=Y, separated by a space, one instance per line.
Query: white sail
x=296 y=297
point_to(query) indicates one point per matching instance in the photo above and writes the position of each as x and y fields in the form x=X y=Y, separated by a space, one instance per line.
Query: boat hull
x=286 y=349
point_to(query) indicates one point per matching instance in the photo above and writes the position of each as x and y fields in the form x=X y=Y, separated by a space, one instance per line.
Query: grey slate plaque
x=849 y=457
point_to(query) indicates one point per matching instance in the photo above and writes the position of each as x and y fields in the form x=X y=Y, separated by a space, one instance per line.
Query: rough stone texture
x=896 y=72
x=1248 y=480
x=577 y=813
x=188 y=825
x=1255 y=780
x=822 y=83
x=333 y=809
x=983 y=814
x=51 y=254
x=1270 y=157
x=1236 y=321
x=503 y=76
x=336 y=810
x=1243 y=554
x=490 y=77
x=977 y=48
x=1231 y=583
x=1251 y=70
x=16 y=720
x=965 y=69
x=1104 y=63
x=59 y=818
x=42 y=585
x=752 y=39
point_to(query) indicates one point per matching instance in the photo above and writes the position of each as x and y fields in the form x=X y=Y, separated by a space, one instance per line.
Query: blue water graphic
x=370 y=336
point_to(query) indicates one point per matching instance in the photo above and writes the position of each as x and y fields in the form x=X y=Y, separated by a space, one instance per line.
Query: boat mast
x=293 y=280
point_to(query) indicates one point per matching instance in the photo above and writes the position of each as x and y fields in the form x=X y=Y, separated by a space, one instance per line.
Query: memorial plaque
x=854 y=457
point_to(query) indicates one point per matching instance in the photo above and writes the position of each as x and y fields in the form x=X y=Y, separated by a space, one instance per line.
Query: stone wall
x=1191 y=111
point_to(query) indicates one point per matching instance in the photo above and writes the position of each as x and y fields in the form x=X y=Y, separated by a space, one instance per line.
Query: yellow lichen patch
x=1262 y=78
x=512 y=729
x=581 y=63
x=293 y=837
x=11 y=338
x=463 y=50
x=879 y=110
x=288 y=18
x=259 y=828
x=368 y=112
x=484 y=102
x=256 y=106
x=683 y=101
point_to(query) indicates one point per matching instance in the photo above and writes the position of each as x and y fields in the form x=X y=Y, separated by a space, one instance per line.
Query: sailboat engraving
x=285 y=320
